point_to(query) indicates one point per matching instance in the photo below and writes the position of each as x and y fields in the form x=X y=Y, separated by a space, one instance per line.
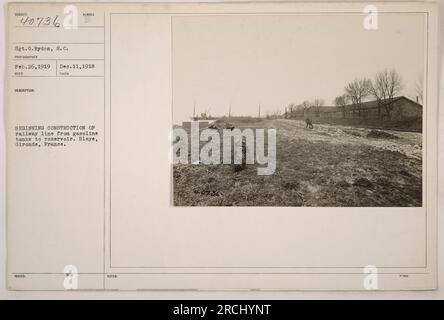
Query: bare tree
x=276 y=114
x=317 y=103
x=303 y=107
x=419 y=89
x=305 y=104
x=357 y=91
x=385 y=87
x=341 y=101
x=299 y=108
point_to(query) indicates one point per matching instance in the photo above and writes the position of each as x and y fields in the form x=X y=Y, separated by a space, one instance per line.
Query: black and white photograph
x=337 y=101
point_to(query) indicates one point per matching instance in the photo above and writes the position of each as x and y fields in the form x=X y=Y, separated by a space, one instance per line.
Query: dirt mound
x=221 y=124
x=363 y=182
x=343 y=184
x=377 y=134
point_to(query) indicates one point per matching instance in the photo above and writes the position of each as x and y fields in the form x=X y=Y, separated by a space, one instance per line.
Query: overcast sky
x=277 y=60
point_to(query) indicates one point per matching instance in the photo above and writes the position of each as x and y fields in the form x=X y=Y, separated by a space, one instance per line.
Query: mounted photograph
x=298 y=110
x=236 y=147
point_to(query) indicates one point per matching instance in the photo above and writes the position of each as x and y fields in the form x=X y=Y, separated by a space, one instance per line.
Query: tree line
x=384 y=88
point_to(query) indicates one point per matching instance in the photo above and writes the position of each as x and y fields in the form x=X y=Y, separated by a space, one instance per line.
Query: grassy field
x=327 y=166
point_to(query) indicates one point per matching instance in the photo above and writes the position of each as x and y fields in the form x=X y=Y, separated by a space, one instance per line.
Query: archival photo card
x=222 y=146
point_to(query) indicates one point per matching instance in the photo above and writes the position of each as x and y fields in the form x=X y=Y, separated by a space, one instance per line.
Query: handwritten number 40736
x=40 y=21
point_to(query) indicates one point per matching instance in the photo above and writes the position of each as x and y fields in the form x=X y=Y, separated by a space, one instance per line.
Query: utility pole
x=229 y=112
x=259 y=113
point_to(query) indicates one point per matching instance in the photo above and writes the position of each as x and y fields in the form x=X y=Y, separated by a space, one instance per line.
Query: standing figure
x=309 y=123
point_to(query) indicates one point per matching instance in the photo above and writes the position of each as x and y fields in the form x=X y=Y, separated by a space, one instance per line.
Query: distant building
x=401 y=108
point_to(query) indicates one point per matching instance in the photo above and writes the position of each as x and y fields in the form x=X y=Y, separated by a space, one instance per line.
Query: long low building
x=401 y=108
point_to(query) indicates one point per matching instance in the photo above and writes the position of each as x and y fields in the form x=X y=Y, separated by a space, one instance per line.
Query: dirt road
x=409 y=143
